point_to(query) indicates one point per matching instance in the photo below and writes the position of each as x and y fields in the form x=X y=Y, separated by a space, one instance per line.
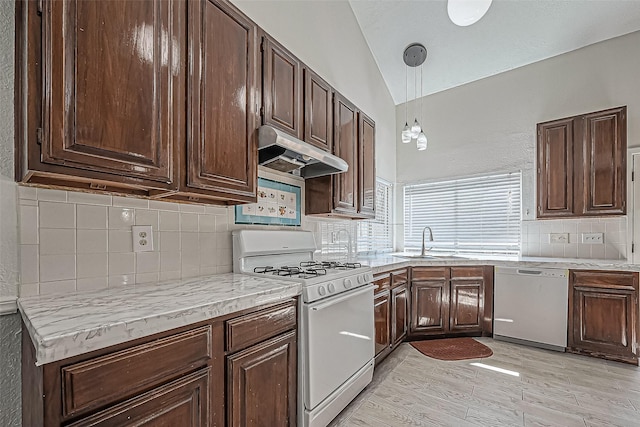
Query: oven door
x=339 y=340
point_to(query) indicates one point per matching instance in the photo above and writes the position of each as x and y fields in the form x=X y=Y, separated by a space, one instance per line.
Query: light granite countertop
x=386 y=261
x=67 y=325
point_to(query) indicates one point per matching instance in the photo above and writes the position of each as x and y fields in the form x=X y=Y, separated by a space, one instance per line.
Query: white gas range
x=336 y=344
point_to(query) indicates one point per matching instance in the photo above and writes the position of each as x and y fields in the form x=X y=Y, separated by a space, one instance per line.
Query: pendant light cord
x=406 y=93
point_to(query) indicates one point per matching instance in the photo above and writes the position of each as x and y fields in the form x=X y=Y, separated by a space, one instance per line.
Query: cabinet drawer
x=605 y=279
x=252 y=328
x=398 y=277
x=105 y=379
x=420 y=273
x=382 y=282
x=467 y=272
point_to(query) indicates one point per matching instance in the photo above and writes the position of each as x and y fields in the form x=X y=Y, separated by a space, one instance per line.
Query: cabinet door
x=222 y=117
x=345 y=185
x=555 y=168
x=429 y=307
x=603 y=314
x=382 y=316
x=467 y=308
x=262 y=384
x=604 y=166
x=318 y=117
x=366 y=166
x=184 y=402
x=112 y=75
x=399 y=319
x=603 y=321
x=282 y=88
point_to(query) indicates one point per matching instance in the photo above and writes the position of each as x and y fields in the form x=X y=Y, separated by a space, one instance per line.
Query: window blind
x=376 y=235
x=479 y=214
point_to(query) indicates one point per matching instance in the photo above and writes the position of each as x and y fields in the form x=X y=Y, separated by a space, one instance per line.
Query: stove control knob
x=347 y=283
x=321 y=291
x=360 y=280
x=331 y=288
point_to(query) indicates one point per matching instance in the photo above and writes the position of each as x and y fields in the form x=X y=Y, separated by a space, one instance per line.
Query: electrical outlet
x=142 y=238
x=559 y=238
x=593 y=238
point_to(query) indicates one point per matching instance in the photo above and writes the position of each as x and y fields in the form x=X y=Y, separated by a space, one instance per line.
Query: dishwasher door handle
x=530 y=272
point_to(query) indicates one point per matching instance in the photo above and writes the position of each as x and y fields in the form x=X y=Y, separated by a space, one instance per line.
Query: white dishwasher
x=530 y=306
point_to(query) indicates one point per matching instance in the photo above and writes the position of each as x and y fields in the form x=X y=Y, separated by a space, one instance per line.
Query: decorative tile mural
x=278 y=204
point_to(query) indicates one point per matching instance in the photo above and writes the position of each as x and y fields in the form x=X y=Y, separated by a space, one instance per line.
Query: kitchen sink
x=428 y=257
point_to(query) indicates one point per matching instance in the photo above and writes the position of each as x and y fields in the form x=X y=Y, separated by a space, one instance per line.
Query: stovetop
x=308 y=269
x=289 y=255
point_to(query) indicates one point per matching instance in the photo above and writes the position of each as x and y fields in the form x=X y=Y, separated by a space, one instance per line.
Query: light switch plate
x=142 y=238
x=559 y=238
x=593 y=238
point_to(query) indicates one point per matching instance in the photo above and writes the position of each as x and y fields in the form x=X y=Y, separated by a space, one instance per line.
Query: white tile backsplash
x=91 y=217
x=56 y=215
x=81 y=241
x=122 y=218
x=57 y=241
x=535 y=238
x=92 y=241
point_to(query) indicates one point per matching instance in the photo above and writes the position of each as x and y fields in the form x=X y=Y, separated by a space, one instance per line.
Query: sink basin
x=431 y=257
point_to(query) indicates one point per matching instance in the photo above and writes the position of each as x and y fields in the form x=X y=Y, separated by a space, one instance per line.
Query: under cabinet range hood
x=283 y=152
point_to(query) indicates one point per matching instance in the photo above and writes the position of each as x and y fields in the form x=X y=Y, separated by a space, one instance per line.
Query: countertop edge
x=56 y=348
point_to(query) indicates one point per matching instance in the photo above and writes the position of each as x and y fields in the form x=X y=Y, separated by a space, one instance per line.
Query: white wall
x=489 y=125
x=9 y=324
x=326 y=36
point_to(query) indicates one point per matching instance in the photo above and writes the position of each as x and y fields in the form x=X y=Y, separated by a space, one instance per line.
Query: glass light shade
x=422 y=142
x=466 y=12
x=415 y=129
x=406 y=134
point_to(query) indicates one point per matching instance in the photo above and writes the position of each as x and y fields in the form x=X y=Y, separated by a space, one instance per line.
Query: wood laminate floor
x=536 y=388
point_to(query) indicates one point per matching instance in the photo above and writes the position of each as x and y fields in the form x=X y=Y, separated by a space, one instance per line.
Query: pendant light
x=414 y=56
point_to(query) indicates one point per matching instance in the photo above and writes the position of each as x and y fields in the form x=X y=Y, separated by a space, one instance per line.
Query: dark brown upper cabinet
x=581 y=165
x=221 y=151
x=604 y=162
x=555 y=168
x=318 y=117
x=345 y=185
x=352 y=192
x=95 y=94
x=281 y=88
x=101 y=91
x=366 y=166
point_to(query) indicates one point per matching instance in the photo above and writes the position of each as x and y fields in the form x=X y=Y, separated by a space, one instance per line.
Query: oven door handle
x=342 y=298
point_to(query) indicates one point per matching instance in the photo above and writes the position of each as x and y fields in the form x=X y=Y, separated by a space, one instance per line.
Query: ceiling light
x=467 y=12
x=414 y=56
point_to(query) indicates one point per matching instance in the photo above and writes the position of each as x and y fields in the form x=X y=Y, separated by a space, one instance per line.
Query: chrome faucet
x=430 y=239
x=348 y=239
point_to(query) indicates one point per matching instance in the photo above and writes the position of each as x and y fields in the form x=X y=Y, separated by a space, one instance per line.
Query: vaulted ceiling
x=513 y=33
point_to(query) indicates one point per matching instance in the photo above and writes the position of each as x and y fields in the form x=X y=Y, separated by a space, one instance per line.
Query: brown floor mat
x=453 y=348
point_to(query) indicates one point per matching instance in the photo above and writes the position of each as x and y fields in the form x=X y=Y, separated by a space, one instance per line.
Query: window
x=480 y=214
x=376 y=235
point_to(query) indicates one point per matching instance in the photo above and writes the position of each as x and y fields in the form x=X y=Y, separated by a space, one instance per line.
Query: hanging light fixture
x=414 y=56
x=466 y=12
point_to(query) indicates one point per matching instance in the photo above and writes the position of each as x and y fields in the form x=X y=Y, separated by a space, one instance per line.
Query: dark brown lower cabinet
x=175 y=378
x=399 y=316
x=382 y=317
x=451 y=301
x=261 y=389
x=603 y=314
x=390 y=311
x=184 y=402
